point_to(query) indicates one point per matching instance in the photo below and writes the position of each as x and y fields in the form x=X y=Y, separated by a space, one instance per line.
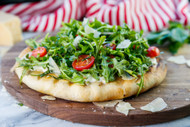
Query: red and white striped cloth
x=46 y=15
x=149 y=15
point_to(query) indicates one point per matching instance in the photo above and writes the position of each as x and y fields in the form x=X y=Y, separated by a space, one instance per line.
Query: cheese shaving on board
x=156 y=105
x=177 y=59
x=188 y=63
x=107 y=103
x=124 y=107
x=47 y=97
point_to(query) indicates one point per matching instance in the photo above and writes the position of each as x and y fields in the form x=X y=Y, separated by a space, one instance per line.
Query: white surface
x=13 y=115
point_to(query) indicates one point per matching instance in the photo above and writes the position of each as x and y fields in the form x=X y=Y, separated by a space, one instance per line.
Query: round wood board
x=175 y=90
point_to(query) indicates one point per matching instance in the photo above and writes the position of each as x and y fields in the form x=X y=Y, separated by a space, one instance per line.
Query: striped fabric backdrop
x=46 y=15
x=149 y=15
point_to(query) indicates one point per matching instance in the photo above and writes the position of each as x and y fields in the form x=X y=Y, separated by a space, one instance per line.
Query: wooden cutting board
x=175 y=90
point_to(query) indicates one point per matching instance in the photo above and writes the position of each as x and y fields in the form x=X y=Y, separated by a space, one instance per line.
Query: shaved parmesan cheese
x=77 y=40
x=154 y=61
x=102 y=79
x=24 y=57
x=127 y=77
x=124 y=44
x=156 y=105
x=188 y=63
x=39 y=68
x=47 y=97
x=177 y=59
x=53 y=66
x=124 y=107
x=89 y=30
x=85 y=21
x=107 y=103
x=89 y=80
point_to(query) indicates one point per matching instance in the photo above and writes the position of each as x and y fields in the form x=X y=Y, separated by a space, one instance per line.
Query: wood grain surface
x=175 y=90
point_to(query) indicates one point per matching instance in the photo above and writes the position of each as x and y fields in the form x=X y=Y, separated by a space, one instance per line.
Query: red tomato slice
x=112 y=46
x=40 y=50
x=153 y=51
x=83 y=62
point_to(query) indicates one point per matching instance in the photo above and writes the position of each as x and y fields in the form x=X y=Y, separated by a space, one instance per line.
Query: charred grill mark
x=55 y=81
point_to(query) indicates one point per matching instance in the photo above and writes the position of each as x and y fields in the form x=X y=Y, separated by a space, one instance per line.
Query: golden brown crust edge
x=94 y=92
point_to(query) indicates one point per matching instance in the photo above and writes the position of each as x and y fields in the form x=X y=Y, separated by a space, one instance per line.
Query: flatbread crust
x=96 y=91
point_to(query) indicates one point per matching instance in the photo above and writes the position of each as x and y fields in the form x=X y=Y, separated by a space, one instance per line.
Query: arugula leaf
x=24 y=72
x=77 y=78
x=106 y=71
x=32 y=43
x=120 y=66
x=141 y=84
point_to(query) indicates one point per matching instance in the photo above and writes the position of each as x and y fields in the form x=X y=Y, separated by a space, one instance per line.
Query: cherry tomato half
x=112 y=46
x=83 y=62
x=40 y=50
x=153 y=51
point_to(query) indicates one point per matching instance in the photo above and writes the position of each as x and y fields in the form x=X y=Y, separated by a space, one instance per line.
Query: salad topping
x=82 y=50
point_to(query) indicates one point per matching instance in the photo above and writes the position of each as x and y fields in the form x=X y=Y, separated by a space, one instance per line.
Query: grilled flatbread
x=95 y=91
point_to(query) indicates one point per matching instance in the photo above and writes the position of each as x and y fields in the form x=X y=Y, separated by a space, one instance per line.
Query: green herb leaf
x=174 y=37
x=20 y=104
x=24 y=72
x=179 y=35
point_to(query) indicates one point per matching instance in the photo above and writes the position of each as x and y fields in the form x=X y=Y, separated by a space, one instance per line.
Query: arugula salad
x=85 y=52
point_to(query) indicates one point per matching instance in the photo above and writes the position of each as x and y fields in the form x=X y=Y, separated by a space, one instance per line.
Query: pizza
x=91 y=61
